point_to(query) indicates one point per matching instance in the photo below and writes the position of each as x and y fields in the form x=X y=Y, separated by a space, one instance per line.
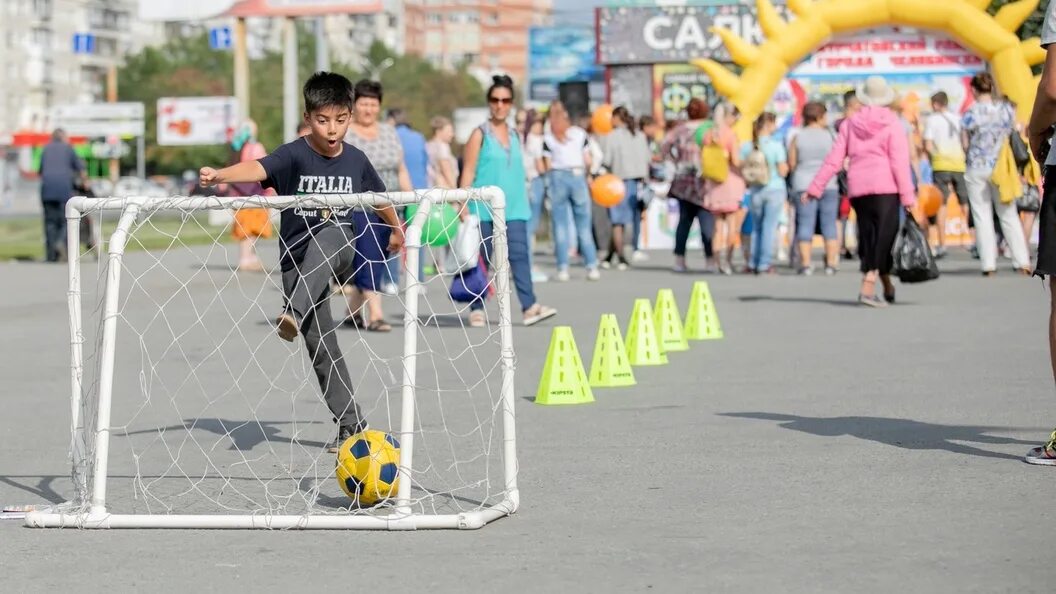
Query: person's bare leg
x=355 y=299
x=373 y=301
x=940 y=221
x=247 y=256
x=832 y=253
x=616 y=243
x=804 y=254
x=1028 y=219
x=869 y=284
x=718 y=241
x=1052 y=324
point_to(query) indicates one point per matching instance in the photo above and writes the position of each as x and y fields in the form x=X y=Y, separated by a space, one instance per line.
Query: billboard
x=562 y=54
x=672 y=34
x=185 y=121
x=674 y=85
x=97 y=120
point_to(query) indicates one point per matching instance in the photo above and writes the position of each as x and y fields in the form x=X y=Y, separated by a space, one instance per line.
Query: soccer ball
x=368 y=467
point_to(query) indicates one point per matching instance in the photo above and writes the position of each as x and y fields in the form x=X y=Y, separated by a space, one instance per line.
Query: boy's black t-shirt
x=296 y=169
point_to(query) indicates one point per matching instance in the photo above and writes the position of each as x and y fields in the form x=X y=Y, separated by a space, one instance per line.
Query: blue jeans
x=817 y=213
x=536 y=197
x=569 y=193
x=520 y=264
x=767 y=205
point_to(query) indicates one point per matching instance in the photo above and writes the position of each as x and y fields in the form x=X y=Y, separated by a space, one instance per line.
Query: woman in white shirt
x=566 y=153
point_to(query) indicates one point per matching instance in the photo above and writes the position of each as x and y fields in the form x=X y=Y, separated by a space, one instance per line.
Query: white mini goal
x=189 y=412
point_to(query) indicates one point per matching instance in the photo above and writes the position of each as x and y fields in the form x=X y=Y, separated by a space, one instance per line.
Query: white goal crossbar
x=89 y=449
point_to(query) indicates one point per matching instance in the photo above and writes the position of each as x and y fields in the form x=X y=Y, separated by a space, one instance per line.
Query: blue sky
x=575 y=11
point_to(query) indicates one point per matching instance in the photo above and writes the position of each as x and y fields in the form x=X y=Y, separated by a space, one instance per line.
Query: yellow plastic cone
x=669 y=322
x=642 y=346
x=702 y=321
x=563 y=381
x=610 y=367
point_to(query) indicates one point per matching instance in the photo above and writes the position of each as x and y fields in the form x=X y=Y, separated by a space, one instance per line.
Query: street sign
x=220 y=38
x=184 y=121
x=95 y=120
x=83 y=43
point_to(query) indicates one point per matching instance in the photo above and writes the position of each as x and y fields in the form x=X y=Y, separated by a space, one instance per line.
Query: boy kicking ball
x=315 y=245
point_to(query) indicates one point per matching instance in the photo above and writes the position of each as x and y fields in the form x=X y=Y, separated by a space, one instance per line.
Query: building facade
x=42 y=64
x=487 y=36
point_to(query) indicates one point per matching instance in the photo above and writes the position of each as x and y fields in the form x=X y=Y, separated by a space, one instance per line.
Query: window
x=434 y=18
x=492 y=19
x=42 y=8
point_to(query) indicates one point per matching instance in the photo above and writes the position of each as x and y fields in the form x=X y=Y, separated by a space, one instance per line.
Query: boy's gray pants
x=307 y=288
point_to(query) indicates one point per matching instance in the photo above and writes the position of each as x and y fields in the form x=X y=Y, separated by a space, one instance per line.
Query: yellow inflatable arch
x=991 y=37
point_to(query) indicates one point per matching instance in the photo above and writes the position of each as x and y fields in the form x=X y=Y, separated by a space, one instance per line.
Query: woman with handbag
x=680 y=146
x=876 y=147
x=493 y=157
x=989 y=126
x=764 y=165
x=724 y=187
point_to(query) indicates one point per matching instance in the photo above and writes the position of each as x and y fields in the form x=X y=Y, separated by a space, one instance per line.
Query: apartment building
x=40 y=65
x=488 y=36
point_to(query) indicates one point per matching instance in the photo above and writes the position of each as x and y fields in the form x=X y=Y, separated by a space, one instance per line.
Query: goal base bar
x=464 y=521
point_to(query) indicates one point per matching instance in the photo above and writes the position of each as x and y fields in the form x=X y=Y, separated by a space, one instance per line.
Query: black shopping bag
x=914 y=262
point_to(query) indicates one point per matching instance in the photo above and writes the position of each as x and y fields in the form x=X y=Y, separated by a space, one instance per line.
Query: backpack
x=714 y=161
x=755 y=169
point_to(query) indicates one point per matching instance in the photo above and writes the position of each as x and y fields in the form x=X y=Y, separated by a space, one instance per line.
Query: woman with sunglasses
x=493 y=157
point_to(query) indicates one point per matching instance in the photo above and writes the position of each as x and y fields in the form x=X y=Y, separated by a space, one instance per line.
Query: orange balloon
x=601 y=121
x=930 y=199
x=607 y=190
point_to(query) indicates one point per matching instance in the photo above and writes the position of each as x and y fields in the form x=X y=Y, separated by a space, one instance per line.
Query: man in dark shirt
x=59 y=170
x=317 y=244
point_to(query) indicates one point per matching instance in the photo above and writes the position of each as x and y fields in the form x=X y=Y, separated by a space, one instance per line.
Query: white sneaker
x=389 y=289
x=639 y=256
x=593 y=274
x=562 y=275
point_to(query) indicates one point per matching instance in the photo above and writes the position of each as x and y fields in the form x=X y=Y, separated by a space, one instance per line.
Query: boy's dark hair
x=500 y=81
x=849 y=96
x=399 y=116
x=941 y=99
x=367 y=89
x=646 y=120
x=326 y=89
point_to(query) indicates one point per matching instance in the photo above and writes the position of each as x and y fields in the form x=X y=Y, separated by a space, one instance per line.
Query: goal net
x=188 y=411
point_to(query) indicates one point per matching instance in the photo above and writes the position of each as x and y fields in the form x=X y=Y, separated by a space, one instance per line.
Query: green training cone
x=669 y=322
x=610 y=367
x=563 y=381
x=702 y=321
x=642 y=346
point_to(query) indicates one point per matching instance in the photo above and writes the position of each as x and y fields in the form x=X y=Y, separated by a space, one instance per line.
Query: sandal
x=355 y=321
x=379 y=325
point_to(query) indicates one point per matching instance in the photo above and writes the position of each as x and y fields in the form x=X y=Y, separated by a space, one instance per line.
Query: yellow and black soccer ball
x=368 y=467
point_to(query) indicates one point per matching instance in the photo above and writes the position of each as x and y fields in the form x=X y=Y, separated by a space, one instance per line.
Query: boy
x=316 y=245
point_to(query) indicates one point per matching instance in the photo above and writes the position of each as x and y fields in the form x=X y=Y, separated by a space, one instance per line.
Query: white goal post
x=93 y=401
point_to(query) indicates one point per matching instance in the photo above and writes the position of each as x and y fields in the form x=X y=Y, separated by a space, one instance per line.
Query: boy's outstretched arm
x=246 y=171
x=388 y=216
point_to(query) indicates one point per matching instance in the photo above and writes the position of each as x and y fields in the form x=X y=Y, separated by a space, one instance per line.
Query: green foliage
x=1032 y=26
x=186 y=67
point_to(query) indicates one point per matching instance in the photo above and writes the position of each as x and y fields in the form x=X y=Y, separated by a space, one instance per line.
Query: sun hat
x=875 y=91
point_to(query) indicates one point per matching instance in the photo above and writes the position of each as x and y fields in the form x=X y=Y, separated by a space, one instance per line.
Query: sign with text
x=890 y=51
x=184 y=121
x=671 y=34
x=96 y=120
x=674 y=85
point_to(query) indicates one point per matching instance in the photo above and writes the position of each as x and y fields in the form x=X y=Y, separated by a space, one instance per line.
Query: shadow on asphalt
x=899 y=433
x=243 y=435
x=818 y=300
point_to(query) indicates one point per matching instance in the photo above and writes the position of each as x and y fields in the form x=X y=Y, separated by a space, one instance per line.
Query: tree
x=1032 y=26
x=186 y=67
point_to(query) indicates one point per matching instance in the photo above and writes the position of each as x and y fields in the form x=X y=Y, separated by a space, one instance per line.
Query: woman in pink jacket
x=878 y=178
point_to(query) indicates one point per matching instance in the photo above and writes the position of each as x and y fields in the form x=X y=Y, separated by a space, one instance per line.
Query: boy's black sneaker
x=343 y=433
